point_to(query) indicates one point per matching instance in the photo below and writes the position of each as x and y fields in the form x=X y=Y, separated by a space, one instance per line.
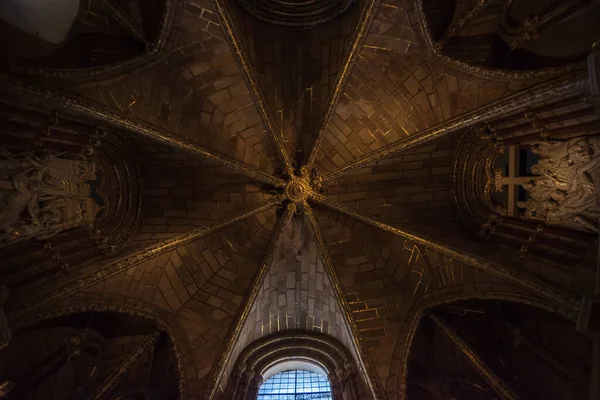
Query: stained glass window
x=295 y=385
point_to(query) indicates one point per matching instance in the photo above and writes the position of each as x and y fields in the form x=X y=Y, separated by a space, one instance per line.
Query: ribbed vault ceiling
x=236 y=111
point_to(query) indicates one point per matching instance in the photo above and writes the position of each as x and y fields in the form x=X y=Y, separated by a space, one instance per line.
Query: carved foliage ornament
x=566 y=194
x=42 y=195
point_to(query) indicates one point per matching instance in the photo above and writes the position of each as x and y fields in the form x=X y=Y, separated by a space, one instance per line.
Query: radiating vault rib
x=118 y=373
x=234 y=333
x=230 y=33
x=563 y=87
x=493 y=380
x=126 y=21
x=363 y=359
x=145 y=254
x=85 y=107
x=366 y=17
x=460 y=23
x=459 y=255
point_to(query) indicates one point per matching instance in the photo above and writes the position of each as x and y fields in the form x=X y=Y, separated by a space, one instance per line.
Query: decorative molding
x=360 y=33
x=472 y=193
x=259 y=100
x=566 y=86
x=492 y=379
x=363 y=359
x=312 y=347
x=87 y=108
x=116 y=230
x=296 y=14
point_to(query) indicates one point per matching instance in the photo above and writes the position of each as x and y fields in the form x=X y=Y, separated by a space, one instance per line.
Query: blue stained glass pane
x=295 y=385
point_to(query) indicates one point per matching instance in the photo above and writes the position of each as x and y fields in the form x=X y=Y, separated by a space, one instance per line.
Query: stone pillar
x=589 y=322
x=336 y=382
x=255 y=383
x=244 y=386
x=594 y=72
x=237 y=380
x=4 y=331
x=6 y=386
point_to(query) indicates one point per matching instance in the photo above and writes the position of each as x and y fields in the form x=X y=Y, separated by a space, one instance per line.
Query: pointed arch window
x=296 y=384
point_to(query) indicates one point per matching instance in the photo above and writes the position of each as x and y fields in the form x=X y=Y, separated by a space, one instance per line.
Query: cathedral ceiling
x=200 y=287
x=183 y=191
x=298 y=179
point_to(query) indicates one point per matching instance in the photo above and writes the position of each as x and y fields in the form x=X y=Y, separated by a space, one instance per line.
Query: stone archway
x=165 y=321
x=397 y=382
x=326 y=353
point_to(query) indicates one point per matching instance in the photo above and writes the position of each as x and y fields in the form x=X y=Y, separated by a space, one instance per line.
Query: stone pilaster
x=4 y=331
x=594 y=75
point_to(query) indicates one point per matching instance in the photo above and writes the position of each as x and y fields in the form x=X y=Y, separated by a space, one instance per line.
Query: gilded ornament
x=298 y=189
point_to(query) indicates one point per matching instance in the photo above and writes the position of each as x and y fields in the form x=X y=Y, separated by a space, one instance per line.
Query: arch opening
x=293 y=365
x=296 y=383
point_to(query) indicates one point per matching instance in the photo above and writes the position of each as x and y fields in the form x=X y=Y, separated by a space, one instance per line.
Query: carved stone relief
x=566 y=193
x=42 y=195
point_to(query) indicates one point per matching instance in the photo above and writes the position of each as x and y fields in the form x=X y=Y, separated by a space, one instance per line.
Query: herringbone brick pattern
x=383 y=276
x=393 y=92
x=202 y=284
x=196 y=94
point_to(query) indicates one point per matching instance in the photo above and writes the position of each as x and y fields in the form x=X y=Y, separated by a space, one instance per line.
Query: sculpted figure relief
x=41 y=195
x=566 y=194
